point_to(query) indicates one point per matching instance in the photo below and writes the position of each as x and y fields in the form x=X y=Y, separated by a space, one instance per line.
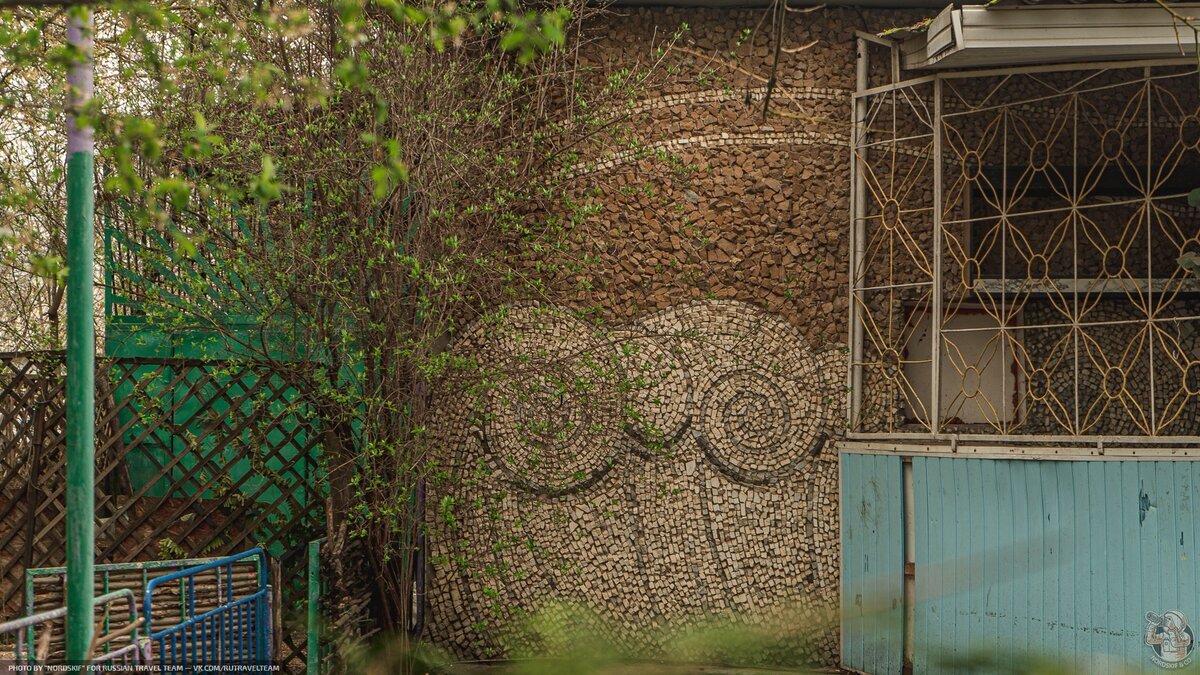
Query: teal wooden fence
x=1016 y=558
x=872 y=562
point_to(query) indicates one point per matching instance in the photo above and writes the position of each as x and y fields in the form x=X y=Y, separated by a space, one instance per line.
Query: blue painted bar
x=191 y=642
x=1015 y=558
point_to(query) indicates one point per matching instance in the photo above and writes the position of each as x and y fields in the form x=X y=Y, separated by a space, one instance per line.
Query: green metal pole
x=313 y=651
x=81 y=344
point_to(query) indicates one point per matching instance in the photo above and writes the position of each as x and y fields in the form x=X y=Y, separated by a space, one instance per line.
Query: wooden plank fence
x=193 y=458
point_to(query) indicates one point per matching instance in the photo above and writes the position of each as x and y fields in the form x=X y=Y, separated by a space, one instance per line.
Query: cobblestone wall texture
x=722 y=277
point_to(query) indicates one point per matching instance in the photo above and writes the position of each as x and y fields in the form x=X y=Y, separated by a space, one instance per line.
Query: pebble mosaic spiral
x=548 y=421
x=670 y=468
x=740 y=382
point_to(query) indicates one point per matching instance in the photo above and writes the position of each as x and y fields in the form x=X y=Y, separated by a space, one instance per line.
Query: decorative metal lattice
x=193 y=459
x=1017 y=246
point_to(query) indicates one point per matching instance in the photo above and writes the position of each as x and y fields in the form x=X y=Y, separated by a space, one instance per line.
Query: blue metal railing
x=106 y=647
x=44 y=585
x=45 y=589
x=230 y=628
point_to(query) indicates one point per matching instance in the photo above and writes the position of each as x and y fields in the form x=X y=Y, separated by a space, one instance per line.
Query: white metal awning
x=1013 y=35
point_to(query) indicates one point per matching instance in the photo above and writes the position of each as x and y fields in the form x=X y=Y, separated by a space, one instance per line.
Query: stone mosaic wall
x=746 y=208
x=710 y=487
x=713 y=493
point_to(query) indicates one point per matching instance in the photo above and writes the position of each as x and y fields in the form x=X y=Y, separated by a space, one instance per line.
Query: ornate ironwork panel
x=1022 y=238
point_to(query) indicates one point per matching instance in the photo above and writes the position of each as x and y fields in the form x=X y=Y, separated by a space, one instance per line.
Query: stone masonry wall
x=722 y=277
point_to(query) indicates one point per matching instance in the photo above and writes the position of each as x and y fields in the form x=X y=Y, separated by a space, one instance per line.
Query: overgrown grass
x=567 y=639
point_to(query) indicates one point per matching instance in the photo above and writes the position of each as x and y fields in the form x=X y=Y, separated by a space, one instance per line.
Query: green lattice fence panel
x=194 y=458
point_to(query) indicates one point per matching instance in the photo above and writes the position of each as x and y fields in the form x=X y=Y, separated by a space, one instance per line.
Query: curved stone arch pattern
x=730 y=102
x=730 y=507
x=714 y=141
